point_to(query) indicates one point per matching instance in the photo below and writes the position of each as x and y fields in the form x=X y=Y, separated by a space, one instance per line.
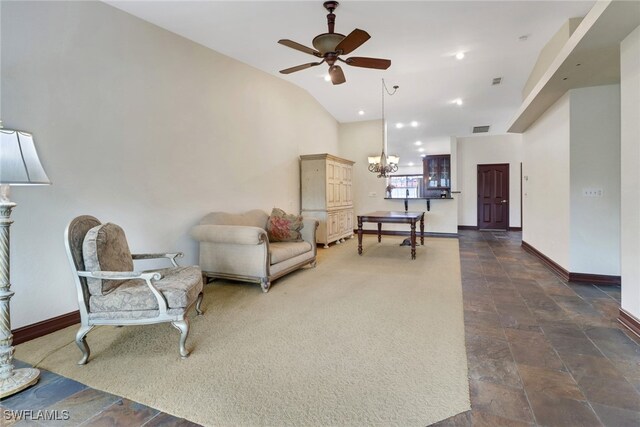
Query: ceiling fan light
x=327 y=42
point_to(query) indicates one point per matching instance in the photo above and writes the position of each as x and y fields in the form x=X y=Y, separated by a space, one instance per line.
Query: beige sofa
x=236 y=246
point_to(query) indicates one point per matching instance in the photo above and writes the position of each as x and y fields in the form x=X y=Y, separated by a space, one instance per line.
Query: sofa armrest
x=309 y=230
x=237 y=234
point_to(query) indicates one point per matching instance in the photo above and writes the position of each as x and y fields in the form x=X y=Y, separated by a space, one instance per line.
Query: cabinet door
x=444 y=172
x=343 y=185
x=332 y=225
x=331 y=184
x=431 y=171
x=437 y=171
x=349 y=221
x=342 y=222
x=347 y=180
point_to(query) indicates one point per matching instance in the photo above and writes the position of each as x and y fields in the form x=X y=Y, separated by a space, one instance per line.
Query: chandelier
x=384 y=165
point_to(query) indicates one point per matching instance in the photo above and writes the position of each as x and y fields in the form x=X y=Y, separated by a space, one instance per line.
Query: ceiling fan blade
x=300 y=47
x=337 y=76
x=300 y=67
x=353 y=41
x=359 y=61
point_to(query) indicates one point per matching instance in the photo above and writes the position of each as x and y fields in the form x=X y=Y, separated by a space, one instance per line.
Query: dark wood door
x=493 y=197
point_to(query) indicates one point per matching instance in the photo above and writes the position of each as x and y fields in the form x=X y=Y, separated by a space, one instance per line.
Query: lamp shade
x=19 y=162
x=393 y=159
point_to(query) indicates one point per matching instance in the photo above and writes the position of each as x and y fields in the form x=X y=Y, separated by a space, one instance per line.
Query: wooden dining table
x=392 y=217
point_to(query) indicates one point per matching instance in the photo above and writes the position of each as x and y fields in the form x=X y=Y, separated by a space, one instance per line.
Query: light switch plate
x=592 y=192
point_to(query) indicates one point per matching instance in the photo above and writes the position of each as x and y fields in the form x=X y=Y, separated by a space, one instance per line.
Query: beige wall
x=141 y=127
x=595 y=164
x=549 y=53
x=573 y=147
x=545 y=183
x=630 y=171
x=488 y=149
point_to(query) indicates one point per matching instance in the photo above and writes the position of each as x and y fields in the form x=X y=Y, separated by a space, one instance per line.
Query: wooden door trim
x=478 y=193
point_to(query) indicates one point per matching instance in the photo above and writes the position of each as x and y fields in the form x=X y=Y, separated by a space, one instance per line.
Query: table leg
x=422 y=230
x=359 y=236
x=413 y=239
x=379 y=232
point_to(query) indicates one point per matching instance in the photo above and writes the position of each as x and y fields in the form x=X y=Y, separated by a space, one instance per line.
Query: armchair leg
x=199 y=304
x=81 y=341
x=265 y=284
x=183 y=327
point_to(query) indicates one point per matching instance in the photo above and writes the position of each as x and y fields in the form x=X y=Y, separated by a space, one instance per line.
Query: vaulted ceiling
x=499 y=39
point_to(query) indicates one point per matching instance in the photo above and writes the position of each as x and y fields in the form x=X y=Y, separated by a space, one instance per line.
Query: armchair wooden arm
x=171 y=256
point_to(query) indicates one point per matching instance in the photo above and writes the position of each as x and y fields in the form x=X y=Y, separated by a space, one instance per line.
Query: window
x=404 y=186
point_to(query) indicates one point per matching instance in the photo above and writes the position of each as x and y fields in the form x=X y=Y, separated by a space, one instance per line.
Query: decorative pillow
x=284 y=228
x=105 y=248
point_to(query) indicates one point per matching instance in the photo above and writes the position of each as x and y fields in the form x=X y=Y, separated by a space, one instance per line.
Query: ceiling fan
x=329 y=46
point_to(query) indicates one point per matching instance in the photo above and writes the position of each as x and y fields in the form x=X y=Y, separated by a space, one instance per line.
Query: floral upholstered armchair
x=110 y=292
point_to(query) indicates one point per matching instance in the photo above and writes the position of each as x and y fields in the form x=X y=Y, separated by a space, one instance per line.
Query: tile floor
x=540 y=352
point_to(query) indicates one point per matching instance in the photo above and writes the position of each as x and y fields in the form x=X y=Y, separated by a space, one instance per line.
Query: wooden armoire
x=326 y=184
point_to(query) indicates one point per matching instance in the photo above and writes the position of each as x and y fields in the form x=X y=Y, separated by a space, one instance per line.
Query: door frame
x=478 y=194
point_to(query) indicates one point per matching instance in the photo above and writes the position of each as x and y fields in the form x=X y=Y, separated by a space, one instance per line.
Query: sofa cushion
x=254 y=218
x=282 y=251
x=282 y=227
x=179 y=285
x=105 y=248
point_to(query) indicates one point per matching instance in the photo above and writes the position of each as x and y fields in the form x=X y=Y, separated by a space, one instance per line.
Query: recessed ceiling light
x=399 y=125
x=327 y=78
x=457 y=101
x=418 y=143
x=361 y=113
x=421 y=149
x=414 y=124
x=410 y=163
x=460 y=55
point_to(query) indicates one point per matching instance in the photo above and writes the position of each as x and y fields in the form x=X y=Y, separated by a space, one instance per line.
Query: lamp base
x=18 y=381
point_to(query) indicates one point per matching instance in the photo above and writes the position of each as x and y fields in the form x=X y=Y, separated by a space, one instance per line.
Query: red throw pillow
x=284 y=228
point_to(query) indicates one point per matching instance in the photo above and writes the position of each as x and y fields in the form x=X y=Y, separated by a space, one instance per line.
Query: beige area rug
x=367 y=340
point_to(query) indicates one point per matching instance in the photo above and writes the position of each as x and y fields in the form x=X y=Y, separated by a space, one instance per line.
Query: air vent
x=480 y=129
x=496 y=81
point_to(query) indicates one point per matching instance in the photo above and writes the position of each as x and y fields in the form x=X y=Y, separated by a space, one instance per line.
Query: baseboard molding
x=551 y=264
x=629 y=321
x=405 y=233
x=35 y=330
x=475 y=227
x=600 y=279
